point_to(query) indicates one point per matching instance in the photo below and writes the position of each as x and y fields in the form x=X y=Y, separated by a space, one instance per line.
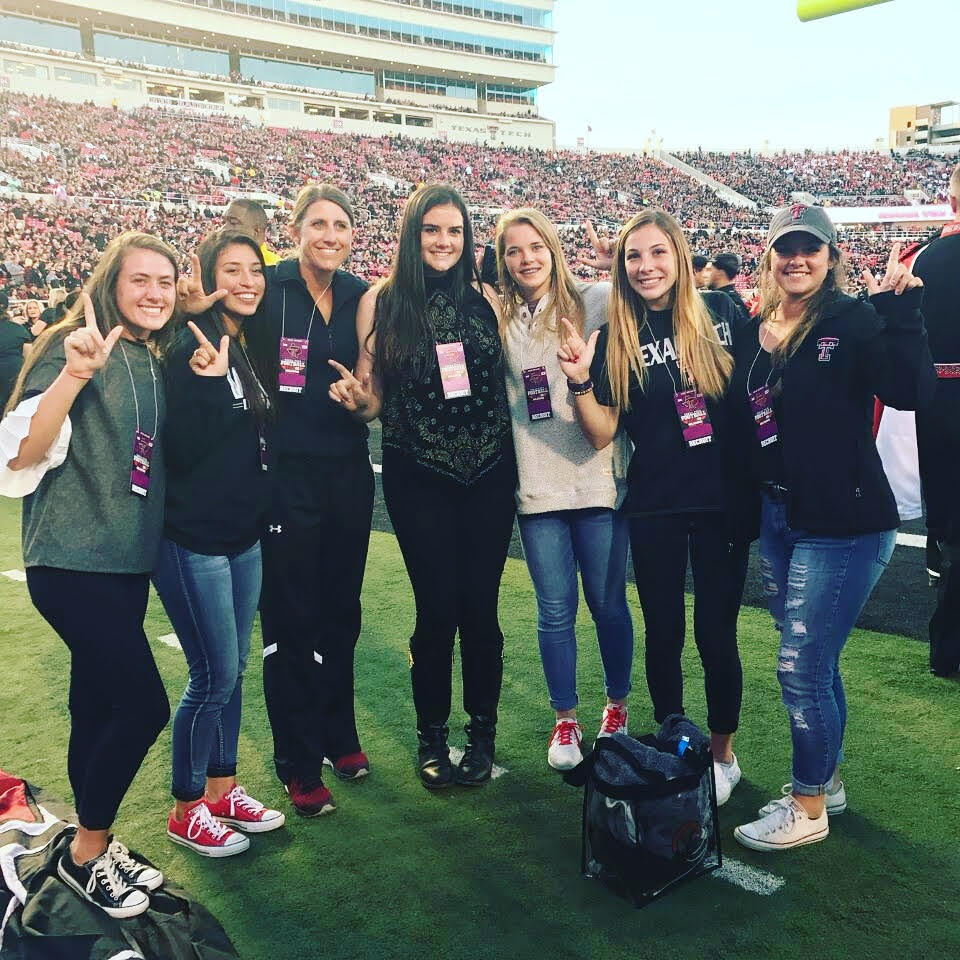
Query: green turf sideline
x=492 y=873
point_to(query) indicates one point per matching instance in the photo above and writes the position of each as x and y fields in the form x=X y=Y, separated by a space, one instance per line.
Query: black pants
x=118 y=705
x=454 y=540
x=659 y=545
x=938 y=446
x=314 y=549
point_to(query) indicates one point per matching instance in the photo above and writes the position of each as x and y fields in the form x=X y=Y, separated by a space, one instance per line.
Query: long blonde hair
x=564 y=299
x=101 y=287
x=771 y=296
x=703 y=360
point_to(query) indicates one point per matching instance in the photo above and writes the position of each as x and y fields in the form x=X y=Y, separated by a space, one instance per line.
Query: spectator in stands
x=14 y=347
x=91 y=529
x=802 y=412
x=567 y=492
x=432 y=368
x=701 y=271
x=660 y=369
x=317 y=528
x=208 y=570
x=249 y=217
x=725 y=268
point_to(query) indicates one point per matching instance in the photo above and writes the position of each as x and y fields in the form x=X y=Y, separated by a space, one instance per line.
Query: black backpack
x=649 y=810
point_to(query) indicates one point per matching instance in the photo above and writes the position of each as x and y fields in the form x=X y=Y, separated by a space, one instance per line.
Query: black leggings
x=659 y=545
x=454 y=541
x=118 y=705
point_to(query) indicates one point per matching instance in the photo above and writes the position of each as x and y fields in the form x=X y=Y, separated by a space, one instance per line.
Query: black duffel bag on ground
x=649 y=810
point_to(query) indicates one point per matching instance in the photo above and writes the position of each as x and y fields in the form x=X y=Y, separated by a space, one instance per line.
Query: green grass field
x=398 y=872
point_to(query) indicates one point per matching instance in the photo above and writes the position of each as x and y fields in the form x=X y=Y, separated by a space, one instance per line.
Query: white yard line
x=17 y=575
x=912 y=540
x=751 y=879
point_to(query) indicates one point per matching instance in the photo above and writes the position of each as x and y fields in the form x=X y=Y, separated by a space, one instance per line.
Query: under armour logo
x=825 y=345
x=798 y=210
x=275 y=529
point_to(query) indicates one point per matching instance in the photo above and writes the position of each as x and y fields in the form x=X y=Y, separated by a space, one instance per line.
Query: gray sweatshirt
x=557 y=467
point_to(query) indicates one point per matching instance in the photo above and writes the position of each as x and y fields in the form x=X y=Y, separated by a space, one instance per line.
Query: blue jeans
x=211 y=602
x=815 y=588
x=555 y=544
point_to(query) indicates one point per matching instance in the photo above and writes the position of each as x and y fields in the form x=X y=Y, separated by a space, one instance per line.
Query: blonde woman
x=567 y=492
x=660 y=370
x=91 y=529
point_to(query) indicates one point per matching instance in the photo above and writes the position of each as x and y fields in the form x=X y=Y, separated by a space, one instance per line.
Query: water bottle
x=682 y=745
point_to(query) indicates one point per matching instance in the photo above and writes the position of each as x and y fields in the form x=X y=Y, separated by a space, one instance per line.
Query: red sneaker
x=353 y=766
x=614 y=720
x=239 y=810
x=204 y=835
x=315 y=802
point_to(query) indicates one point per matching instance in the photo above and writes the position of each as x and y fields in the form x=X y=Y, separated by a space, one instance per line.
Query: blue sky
x=727 y=74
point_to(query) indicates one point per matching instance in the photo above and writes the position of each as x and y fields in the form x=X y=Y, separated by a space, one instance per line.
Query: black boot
x=433 y=757
x=477 y=762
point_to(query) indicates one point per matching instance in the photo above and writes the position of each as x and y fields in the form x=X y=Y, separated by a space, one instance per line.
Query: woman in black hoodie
x=802 y=397
x=208 y=573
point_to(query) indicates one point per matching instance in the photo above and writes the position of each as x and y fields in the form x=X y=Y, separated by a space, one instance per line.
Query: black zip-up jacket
x=858 y=349
x=216 y=487
x=310 y=424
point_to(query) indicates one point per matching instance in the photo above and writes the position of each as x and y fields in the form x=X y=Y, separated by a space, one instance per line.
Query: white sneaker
x=727 y=776
x=834 y=799
x=787 y=825
x=563 y=751
x=614 y=720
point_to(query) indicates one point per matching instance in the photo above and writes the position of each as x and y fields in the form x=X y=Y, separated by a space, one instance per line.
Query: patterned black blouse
x=464 y=437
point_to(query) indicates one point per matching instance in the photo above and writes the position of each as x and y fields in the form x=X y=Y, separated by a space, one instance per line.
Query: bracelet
x=77 y=375
x=579 y=389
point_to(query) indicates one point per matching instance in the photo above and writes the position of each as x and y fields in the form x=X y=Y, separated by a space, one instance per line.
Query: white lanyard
x=136 y=404
x=313 y=312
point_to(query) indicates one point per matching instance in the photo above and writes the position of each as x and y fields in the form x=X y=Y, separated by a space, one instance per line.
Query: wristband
x=77 y=375
x=579 y=389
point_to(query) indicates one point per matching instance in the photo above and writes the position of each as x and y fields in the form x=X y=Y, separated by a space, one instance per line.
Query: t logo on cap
x=798 y=210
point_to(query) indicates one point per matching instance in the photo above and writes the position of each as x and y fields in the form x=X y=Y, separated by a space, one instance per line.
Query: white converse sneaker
x=787 y=825
x=727 y=776
x=563 y=751
x=834 y=799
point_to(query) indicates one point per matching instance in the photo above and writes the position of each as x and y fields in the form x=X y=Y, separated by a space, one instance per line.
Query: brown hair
x=313 y=192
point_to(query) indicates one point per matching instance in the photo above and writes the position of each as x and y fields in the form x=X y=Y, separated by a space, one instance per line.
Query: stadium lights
x=815 y=9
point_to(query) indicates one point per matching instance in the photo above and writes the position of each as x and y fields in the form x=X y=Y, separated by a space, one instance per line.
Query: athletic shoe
x=204 y=835
x=315 y=802
x=351 y=766
x=100 y=882
x=834 y=800
x=787 y=825
x=563 y=750
x=727 y=776
x=239 y=810
x=133 y=871
x=614 y=720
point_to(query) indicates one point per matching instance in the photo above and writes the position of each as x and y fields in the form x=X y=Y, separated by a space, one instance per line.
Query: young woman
x=431 y=366
x=567 y=492
x=208 y=570
x=317 y=527
x=803 y=399
x=90 y=535
x=660 y=368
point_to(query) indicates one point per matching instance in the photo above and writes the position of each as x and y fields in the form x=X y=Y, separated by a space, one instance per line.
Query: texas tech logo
x=825 y=348
x=798 y=210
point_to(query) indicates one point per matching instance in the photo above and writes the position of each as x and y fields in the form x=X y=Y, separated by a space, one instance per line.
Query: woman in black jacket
x=802 y=402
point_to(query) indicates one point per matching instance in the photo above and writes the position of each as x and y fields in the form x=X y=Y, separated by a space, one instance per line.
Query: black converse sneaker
x=99 y=881
x=135 y=873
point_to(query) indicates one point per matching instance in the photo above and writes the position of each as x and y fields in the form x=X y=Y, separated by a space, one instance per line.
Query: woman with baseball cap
x=802 y=403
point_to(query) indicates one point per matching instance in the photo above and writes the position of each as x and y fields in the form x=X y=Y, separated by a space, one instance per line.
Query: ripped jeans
x=815 y=587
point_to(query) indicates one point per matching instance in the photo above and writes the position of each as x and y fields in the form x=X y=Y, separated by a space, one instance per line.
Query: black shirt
x=731 y=291
x=12 y=338
x=665 y=474
x=216 y=486
x=462 y=437
x=310 y=424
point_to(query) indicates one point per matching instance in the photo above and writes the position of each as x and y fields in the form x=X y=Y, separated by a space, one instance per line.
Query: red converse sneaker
x=204 y=835
x=614 y=720
x=314 y=802
x=239 y=810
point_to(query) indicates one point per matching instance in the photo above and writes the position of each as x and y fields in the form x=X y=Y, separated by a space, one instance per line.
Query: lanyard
x=766 y=382
x=136 y=404
x=313 y=312
x=524 y=328
x=253 y=372
x=663 y=360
